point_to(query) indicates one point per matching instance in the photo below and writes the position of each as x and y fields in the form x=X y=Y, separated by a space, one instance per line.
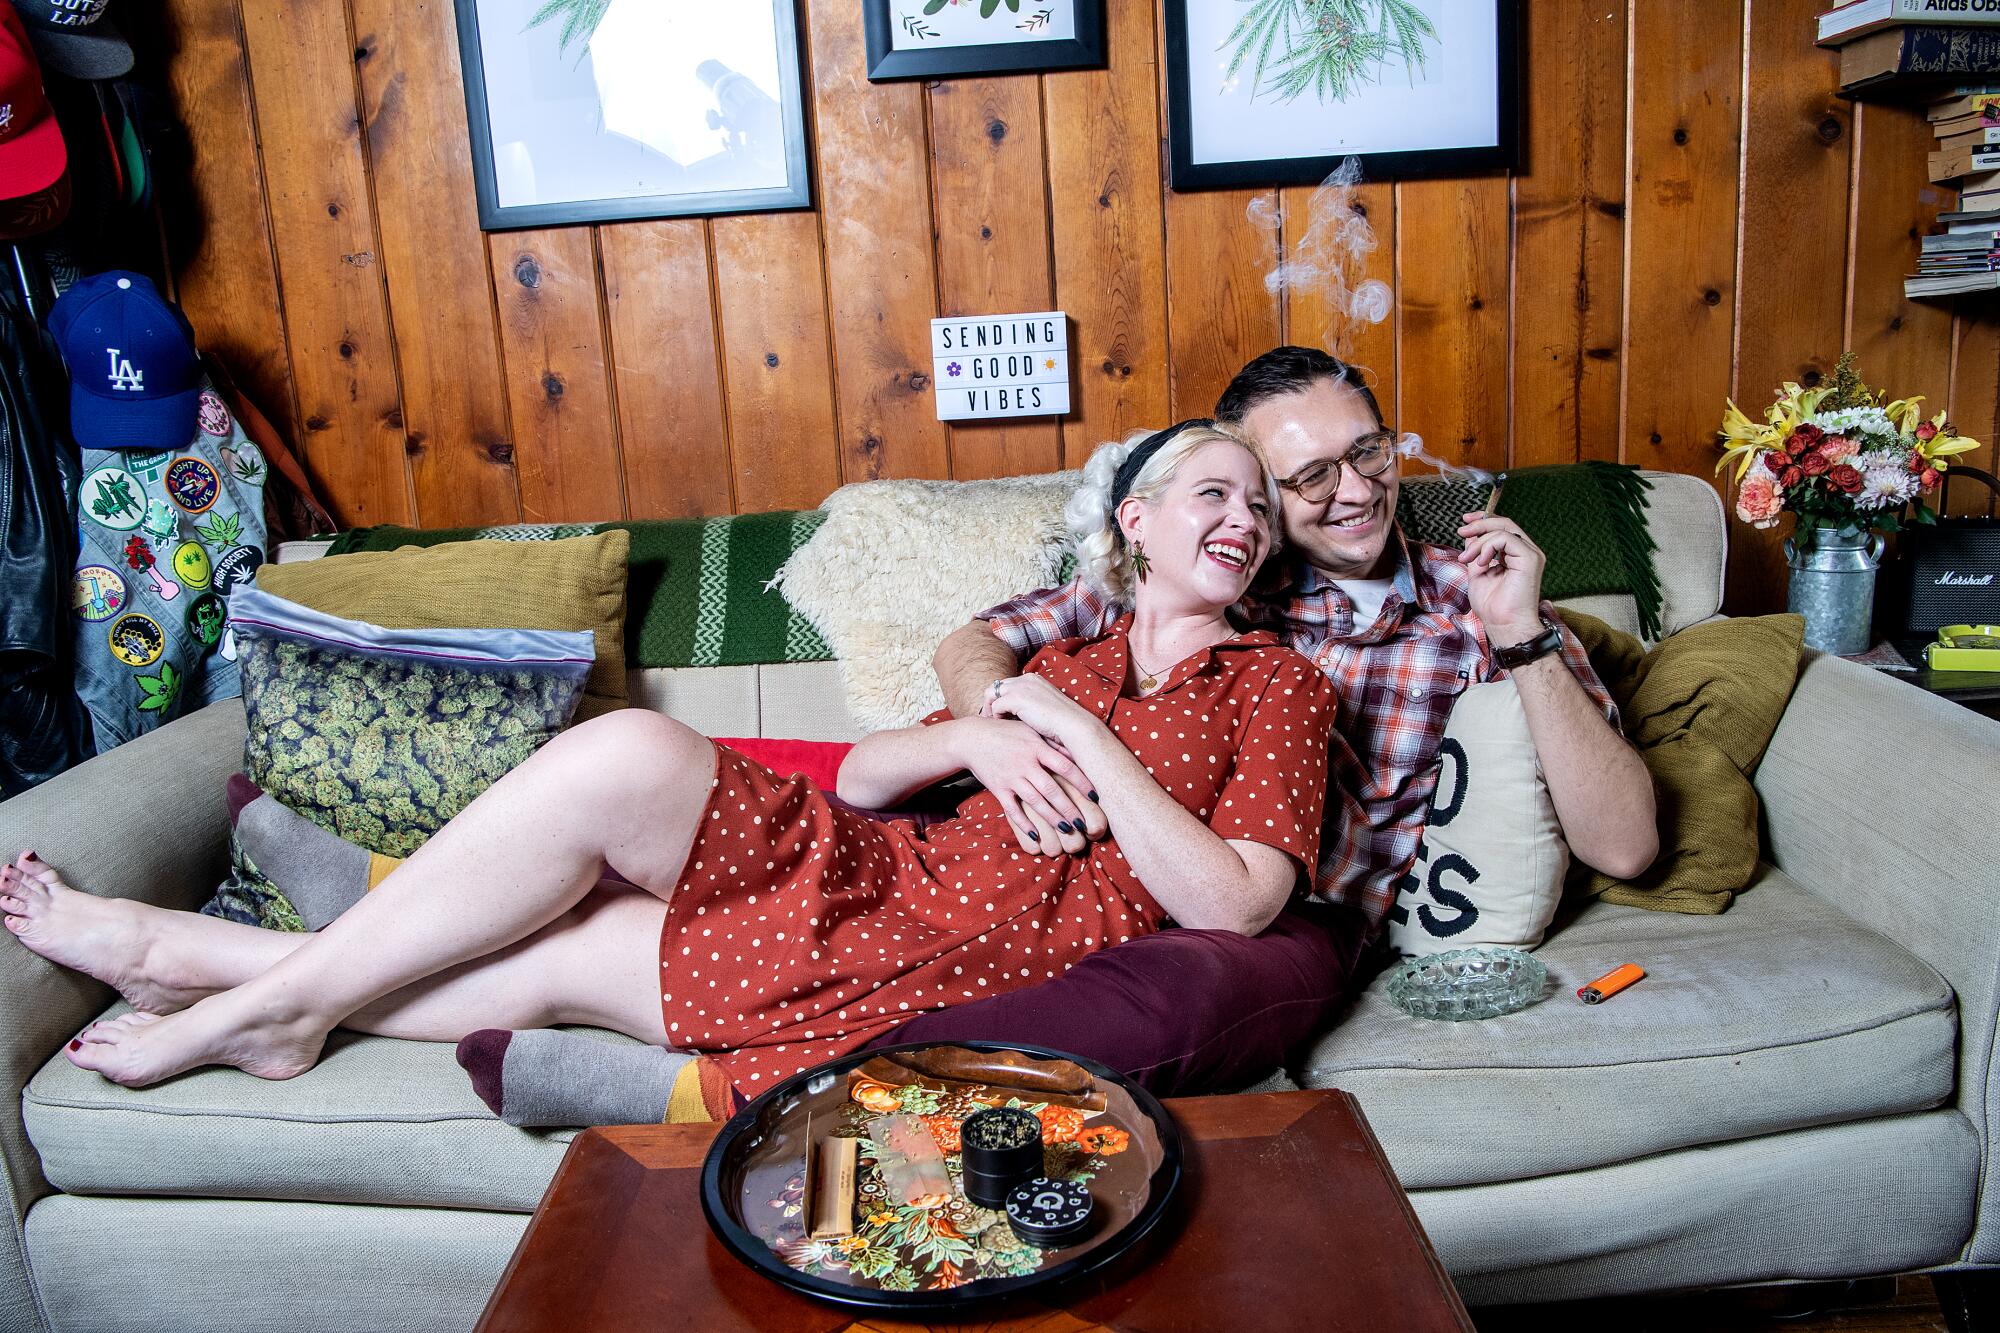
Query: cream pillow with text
x=1491 y=865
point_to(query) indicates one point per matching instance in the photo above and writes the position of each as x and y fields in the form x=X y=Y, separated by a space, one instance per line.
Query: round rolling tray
x=950 y=1259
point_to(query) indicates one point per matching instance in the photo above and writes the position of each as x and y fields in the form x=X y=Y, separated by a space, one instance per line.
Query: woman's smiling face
x=1207 y=532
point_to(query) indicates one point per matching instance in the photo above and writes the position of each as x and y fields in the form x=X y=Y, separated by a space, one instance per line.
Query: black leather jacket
x=43 y=727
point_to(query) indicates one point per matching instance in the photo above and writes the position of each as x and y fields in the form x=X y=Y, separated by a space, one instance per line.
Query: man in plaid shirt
x=1402 y=629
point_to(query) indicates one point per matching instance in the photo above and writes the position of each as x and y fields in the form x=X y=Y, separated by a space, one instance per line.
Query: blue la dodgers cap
x=135 y=378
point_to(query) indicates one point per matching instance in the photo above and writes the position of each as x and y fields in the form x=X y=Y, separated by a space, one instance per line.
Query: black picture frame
x=1185 y=174
x=886 y=64
x=796 y=193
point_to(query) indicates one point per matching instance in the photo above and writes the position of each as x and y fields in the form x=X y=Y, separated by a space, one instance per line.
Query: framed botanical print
x=598 y=110
x=930 y=39
x=1275 y=92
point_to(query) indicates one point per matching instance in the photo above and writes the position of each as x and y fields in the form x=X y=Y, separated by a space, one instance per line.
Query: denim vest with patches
x=164 y=537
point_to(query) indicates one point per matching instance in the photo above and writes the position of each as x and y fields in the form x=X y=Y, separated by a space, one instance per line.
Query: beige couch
x=1803 y=1088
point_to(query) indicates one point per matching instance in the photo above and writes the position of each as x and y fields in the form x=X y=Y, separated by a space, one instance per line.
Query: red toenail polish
x=75 y=1045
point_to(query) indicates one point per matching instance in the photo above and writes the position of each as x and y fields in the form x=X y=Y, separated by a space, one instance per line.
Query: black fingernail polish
x=1064 y=826
x=1036 y=836
x=1093 y=796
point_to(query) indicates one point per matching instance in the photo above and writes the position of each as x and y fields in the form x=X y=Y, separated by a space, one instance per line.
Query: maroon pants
x=1181 y=1012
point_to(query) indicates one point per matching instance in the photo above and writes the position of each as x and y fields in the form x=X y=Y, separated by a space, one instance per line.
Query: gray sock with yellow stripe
x=546 y=1077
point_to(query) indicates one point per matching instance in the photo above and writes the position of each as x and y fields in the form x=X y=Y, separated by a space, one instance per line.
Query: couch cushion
x=378 y=1121
x=1691 y=542
x=1778 y=1014
x=227 y=1266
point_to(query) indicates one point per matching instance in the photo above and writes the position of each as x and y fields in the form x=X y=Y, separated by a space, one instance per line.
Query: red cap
x=32 y=157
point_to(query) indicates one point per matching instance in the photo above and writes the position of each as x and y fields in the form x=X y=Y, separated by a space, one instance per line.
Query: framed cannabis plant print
x=597 y=110
x=929 y=39
x=1279 y=92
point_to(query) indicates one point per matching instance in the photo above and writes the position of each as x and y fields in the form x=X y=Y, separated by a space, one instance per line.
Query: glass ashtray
x=1467 y=983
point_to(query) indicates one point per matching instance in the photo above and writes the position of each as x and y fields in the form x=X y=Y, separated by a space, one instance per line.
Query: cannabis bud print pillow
x=382 y=735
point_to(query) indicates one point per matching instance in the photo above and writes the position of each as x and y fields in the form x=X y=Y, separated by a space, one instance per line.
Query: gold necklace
x=1147 y=679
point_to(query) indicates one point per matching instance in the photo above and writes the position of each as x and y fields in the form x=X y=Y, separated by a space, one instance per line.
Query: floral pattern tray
x=914 y=1258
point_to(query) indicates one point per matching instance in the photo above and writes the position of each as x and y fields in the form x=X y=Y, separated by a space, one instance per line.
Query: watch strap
x=1520 y=654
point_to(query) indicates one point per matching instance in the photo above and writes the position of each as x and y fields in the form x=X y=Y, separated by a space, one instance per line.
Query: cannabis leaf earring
x=1139 y=561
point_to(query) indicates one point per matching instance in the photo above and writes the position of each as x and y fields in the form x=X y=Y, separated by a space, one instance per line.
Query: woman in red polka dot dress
x=801 y=930
x=787 y=928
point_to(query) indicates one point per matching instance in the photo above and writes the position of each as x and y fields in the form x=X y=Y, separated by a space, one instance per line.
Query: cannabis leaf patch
x=161 y=691
x=221 y=531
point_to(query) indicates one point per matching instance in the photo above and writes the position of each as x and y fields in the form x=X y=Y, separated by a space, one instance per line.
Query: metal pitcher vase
x=1833 y=587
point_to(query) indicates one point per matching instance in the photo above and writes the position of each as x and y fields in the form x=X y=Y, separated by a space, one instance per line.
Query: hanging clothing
x=165 y=537
x=43 y=729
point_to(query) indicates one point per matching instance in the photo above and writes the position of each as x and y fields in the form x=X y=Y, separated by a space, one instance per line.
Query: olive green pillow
x=577 y=583
x=1701 y=708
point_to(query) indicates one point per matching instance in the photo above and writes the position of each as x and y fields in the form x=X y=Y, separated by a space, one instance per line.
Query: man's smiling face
x=1346 y=535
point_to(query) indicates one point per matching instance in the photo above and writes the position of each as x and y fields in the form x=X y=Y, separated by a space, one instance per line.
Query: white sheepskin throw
x=898 y=565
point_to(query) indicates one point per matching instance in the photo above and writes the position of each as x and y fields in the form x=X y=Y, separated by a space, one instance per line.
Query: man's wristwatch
x=1520 y=654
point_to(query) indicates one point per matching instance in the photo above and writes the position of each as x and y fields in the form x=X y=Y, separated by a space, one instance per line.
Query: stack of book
x=1965 y=259
x=1946 y=51
x=1967 y=126
x=1912 y=47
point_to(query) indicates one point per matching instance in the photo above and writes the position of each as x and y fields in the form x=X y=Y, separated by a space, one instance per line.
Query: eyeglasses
x=1370 y=457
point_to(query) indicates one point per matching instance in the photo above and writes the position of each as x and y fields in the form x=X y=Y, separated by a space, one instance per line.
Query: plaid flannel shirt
x=1397 y=680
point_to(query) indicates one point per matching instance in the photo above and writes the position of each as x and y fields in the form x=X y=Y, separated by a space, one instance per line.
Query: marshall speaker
x=1949 y=574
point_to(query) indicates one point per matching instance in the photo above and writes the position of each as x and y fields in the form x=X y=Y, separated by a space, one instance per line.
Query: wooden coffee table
x=1288 y=1217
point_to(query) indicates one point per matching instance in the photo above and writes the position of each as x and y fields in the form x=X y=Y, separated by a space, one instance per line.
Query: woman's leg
x=624 y=790
x=160 y=961
x=597 y=964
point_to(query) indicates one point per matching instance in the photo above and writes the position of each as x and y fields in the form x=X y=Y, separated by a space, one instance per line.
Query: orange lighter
x=1608 y=985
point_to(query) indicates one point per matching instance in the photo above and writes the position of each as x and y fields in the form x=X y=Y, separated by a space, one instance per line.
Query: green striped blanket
x=732 y=619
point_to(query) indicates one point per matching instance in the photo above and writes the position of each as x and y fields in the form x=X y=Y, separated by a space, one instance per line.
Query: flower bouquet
x=1849 y=467
x=1838 y=457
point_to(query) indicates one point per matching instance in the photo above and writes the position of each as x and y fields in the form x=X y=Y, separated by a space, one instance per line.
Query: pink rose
x=1926 y=432
x=1929 y=478
x=1757 y=500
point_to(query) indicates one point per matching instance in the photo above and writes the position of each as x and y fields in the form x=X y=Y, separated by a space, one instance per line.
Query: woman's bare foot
x=224 y=1029
x=105 y=938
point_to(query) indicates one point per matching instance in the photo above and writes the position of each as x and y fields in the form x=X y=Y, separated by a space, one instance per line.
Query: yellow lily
x=1746 y=439
x=1792 y=406
x=1903 y=414
x=1944 y=445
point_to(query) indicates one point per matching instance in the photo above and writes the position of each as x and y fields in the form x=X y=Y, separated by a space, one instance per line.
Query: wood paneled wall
x=1696 y=216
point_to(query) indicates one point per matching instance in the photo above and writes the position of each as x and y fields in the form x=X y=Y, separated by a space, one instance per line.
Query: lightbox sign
x=1001 y=366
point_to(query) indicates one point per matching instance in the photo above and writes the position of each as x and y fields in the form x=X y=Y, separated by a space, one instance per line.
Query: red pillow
x=816 y=760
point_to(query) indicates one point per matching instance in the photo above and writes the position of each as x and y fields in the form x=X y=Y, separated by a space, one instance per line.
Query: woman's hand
x=1044 y=795
x=1042 y=706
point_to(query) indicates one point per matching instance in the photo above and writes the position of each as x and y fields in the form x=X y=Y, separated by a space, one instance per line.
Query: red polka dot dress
x=800 y=930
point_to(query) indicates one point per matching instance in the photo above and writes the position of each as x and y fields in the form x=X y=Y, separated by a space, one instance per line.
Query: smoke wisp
x=1329 y=259
x=1326 y=265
